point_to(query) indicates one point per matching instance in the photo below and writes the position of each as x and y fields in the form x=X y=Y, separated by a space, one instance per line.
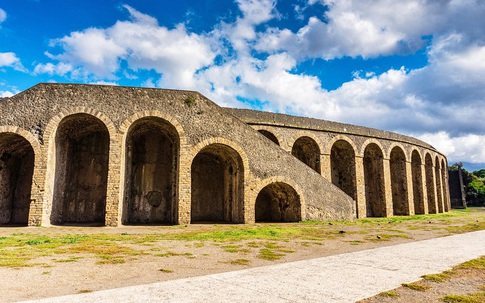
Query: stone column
x=387 y=186
x=425 y=188
x=360 y=187
x=410 y=188
x=325 y=167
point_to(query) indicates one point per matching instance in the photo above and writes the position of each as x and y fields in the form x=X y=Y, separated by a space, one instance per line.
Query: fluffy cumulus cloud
x=10 y=59
x=3 y=15
x=248 y=62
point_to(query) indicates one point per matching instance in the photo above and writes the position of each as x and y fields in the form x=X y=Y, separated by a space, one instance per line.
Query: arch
x=439 y=182
x=17 y=160
x=82 y=143
x=307 y=151
x=269 y=135
x=417 y=177
x=278 y=202
x=342 y=166
x=217 y=178
x=400 y=202
x=151 y=162
x=374 y=181
x=430 y=189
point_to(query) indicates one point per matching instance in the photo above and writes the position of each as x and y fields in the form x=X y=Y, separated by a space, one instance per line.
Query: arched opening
x=16 y=171
x=399 y=185
x=439 y=191
x=307 y=151
x=217 y=185
x=430 y=185
x=270 y=136
x=342 y=164
x=152 y=148
x=417 y=176
x=446 y=194
x=278 y=202
x=374 y=181
x=82 y=152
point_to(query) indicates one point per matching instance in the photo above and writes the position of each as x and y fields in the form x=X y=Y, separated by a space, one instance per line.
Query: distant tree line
x=474 y=183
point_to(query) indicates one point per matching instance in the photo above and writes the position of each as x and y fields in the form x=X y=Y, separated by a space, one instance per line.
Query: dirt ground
x=147 y=257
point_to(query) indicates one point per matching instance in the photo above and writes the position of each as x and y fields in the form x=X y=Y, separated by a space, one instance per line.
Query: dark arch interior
x=342 y=162
x=374 y=181
x=306 y=150
x=278 y=202
x=417 y=176
x=82 y=152
x=430 y=185
x=399 y=186
x=16 y=170
x=270 y=136
x=217 y=185
x=151 y=166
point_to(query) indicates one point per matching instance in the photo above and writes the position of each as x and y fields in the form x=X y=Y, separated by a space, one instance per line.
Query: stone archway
x=374 y=181
x=417 y=176
x=217 y=193
x=430 y=185
x=269 y=135
x=152 y=148
x=342 y=163
x=400 y=202
x=278 y=202
x=439 y=189
x=81 y=173
x=16 y=172
x=307 y=151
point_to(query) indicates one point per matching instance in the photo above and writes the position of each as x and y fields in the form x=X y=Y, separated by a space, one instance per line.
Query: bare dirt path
x=37 y=262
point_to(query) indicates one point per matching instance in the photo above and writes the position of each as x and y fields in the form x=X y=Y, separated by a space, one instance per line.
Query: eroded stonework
x=105 y=155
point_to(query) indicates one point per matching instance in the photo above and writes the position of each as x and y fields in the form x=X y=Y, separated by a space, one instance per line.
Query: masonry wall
x=39 y=115
x=414 y=174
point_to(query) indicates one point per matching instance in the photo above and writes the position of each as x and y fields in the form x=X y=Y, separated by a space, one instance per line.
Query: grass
x=478 y=263
x=240 y=262
x=389 y=294
x=416 y=286
x=166 y=271
x=477 y=297
x=23 y=248
x=438 y=278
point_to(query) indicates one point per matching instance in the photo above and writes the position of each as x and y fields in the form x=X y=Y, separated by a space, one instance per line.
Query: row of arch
x=417 y=186
x=79 y=176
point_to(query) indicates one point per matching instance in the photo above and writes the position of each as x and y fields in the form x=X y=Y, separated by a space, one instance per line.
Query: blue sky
x=415 y=67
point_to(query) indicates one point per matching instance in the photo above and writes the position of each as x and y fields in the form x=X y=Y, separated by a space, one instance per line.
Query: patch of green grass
x=269 y=254
x=68 y=260
x=167 y=271
x=235 y=249
x=389 y=294
x=84 y=291
x=478 y=263
x=416 y=286
x=385 y=237
x=438 y=278
x=477 y=297
x=239 y=262
x=174 y=254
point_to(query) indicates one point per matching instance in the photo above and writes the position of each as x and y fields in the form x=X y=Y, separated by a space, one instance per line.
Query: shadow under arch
x=278 y=202
x=82 y=143
x=217 y=179
x=151 y=168
x=17 y=160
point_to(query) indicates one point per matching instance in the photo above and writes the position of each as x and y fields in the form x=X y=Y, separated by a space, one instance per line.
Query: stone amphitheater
x=104 y=155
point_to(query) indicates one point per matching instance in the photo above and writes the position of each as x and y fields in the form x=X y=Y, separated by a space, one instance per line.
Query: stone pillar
x=425 y=188
x=325 y=167
x=360 y=187
x=113 y=187
x=387 y=186
x=410 y=188
x=435 y=188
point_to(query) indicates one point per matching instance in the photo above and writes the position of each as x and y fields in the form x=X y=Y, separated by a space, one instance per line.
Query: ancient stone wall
x=106 y=155
x=385 y=173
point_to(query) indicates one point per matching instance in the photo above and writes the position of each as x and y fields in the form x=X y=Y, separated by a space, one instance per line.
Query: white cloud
x=457 y=149
x=10 y=59
x=3 y=15
x=5 y=94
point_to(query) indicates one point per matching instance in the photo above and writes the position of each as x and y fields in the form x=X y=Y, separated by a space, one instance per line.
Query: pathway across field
x=341 y=278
